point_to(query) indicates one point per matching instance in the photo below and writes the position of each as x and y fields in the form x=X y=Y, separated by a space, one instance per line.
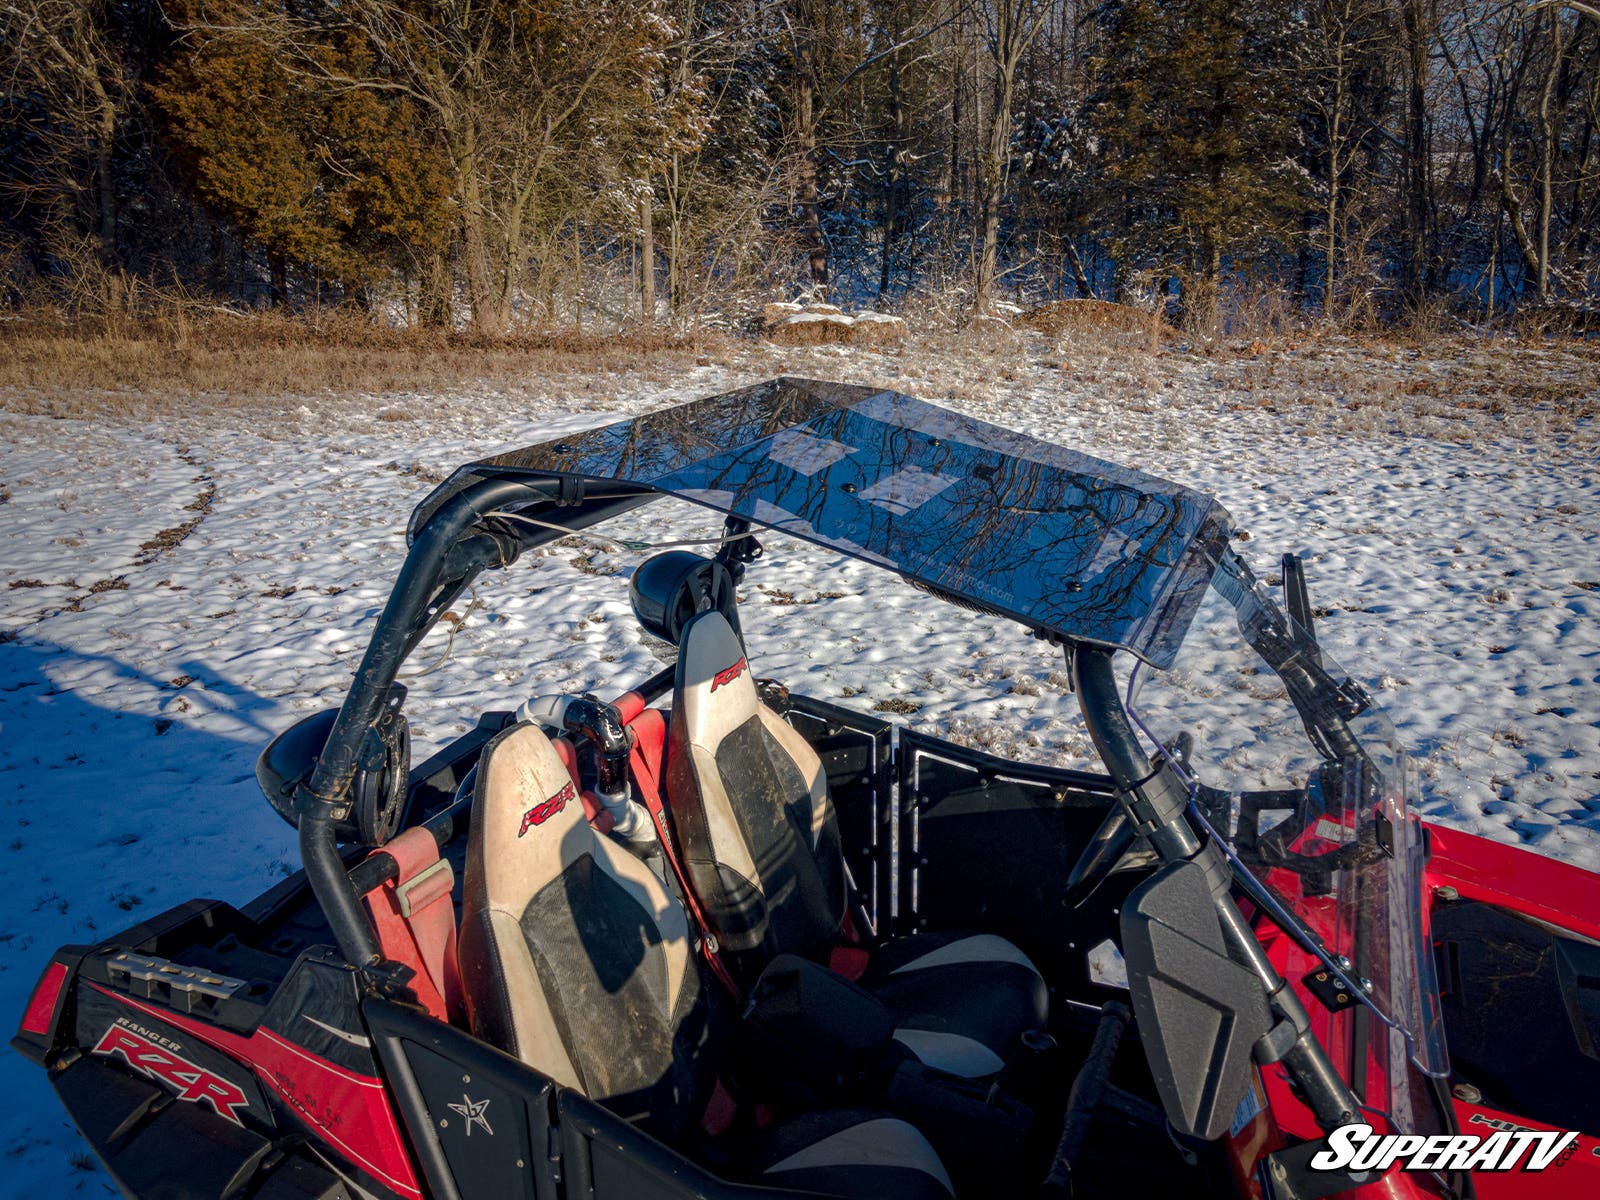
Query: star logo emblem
x=473 y=1111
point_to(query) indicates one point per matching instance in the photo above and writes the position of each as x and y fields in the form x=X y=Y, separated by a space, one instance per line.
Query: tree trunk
x=104 y=145
x=1017 y=23
x=997 y=153
x=647 y=257
x=278 y=273
x=1080 y=277
x=1547 y=157
x=483 y=298
x=577 y=279
x=1331 y=209
x=949 y=171
x=674 y=241
x=1418 y=266
x=993 y=186
x=810 y=199
x=891 y=198
x=433 y=293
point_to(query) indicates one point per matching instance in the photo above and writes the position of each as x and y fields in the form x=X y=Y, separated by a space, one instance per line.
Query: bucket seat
x=576 y=959
x=760 y=842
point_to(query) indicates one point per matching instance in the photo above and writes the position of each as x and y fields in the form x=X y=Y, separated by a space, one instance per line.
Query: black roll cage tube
x=453 y=546
x=1174 y=839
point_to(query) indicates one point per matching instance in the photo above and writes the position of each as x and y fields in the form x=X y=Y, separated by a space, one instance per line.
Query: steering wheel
x=1116 y=834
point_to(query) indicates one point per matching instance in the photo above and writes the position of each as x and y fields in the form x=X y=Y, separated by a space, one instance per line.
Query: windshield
x=1303 y=778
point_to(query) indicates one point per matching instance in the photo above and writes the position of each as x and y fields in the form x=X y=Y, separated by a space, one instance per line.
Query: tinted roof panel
x=1063 y=542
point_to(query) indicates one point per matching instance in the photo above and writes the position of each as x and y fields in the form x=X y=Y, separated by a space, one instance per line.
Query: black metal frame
x=1156 y=804
x=456 y=544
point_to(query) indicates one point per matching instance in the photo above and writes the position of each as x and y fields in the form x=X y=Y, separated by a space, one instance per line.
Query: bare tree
x=1010 y=27
x=1347 y=39
x=529 y=101
x=57 y=52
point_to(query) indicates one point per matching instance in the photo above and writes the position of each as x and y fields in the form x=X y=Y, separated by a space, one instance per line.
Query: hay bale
x=1063 y=318
x=876 y=329
x=777 y=312
x=811 y=327
x=791 y=324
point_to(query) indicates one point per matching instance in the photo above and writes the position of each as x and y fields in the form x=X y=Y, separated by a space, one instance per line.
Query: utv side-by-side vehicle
x=714 y=938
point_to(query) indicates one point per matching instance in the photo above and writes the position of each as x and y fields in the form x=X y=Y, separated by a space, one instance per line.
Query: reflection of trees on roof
x=1047 y=535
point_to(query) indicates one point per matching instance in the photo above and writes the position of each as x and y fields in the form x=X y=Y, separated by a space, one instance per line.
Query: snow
x=830 y=318
x=181 y=583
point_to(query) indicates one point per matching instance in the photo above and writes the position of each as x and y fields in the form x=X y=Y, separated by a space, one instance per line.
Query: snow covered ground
x=181 y=581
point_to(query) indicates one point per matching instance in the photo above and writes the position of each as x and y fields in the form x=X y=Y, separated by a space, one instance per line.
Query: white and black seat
x=574 y=956
x=577 y=960
x=759 y=839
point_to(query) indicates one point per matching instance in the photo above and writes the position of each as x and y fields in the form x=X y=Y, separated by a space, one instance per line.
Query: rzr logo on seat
x=545 y=809
x=141 y=1051
x=728 y=674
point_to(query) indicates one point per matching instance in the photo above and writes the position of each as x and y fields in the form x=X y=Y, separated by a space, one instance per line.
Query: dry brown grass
x=225 y=358
x=269 y=365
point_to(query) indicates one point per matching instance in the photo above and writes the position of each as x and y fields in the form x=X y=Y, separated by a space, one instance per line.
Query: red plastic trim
x=42 y=1006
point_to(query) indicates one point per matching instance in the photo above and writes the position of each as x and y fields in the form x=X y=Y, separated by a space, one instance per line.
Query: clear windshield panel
x=1305 y=780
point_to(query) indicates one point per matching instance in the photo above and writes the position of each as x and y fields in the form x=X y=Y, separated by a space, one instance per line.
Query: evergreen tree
x=1194 y=126
x=343 y=182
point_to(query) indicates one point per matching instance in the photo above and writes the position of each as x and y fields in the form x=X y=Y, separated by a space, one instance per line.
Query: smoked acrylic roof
x=1069 y=545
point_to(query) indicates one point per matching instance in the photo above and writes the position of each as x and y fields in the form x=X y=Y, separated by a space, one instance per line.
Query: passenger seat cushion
x=854 y=1153
x=960 y=1001
x=750 y=804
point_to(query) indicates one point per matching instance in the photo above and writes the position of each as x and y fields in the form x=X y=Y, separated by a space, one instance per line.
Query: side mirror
x=290 y=758
x=378 y=791
x=1199 y=1013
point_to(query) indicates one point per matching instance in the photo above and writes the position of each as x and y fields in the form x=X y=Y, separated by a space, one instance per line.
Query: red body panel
x=350 y=1111
x=1541 y=887
x=1478 y=869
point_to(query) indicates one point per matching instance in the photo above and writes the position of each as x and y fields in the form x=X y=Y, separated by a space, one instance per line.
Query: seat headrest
x=526 y=798
x=713 y=673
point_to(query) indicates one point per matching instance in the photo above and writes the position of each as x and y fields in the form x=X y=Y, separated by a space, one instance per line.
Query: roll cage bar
x=464 y=537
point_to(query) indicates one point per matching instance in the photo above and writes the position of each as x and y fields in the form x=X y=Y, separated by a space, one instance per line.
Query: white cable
x=625 y=544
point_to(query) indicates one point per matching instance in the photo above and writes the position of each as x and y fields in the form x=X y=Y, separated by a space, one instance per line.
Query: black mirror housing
x=1200 y=1014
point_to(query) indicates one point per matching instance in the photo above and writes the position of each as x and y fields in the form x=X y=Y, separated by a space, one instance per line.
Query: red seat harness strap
x=415 y=920
x=644 y=760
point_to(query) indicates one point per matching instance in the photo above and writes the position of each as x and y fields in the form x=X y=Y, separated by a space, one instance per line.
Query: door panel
x=987 y=844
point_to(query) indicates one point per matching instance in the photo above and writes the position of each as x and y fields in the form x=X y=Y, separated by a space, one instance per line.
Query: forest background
x=507 y=167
